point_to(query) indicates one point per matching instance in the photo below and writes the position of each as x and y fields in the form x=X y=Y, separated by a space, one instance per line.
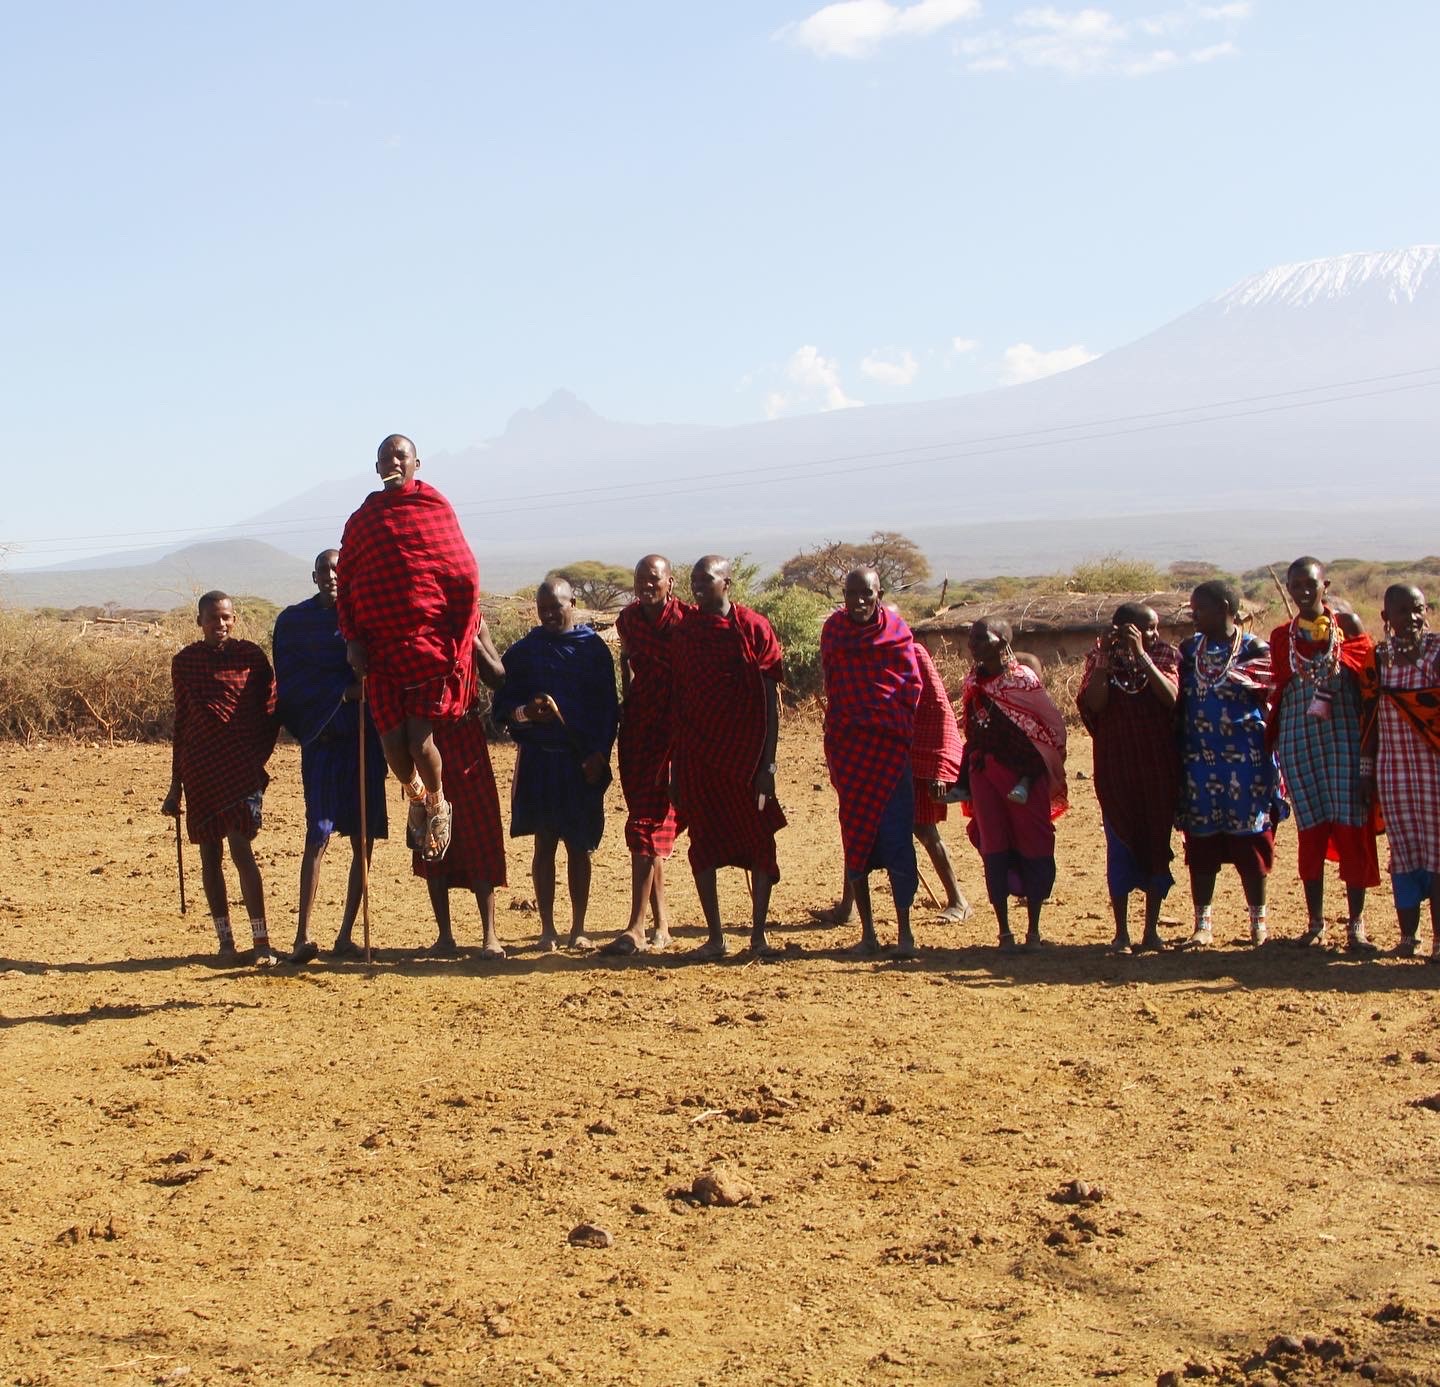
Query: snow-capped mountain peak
x=1398 y=276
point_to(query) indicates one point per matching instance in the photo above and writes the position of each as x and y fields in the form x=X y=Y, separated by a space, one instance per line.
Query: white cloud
x=855 y=28
x=1024 y=362
x=888 y=370
x=1093 y=42
x=963 y=344
x=812 y=381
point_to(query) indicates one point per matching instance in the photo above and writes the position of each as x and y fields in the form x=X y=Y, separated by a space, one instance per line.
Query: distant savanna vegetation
x=103 y=671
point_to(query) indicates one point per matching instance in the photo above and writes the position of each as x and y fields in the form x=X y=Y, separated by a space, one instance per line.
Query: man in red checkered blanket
x=646 y=679
x=409 y=610
x=728 y=666
x=872 y=687
x=476 y=860
x=225 y=728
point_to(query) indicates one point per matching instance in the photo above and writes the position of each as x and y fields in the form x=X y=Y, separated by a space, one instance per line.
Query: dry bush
x=56 y=682
x=1116 y=573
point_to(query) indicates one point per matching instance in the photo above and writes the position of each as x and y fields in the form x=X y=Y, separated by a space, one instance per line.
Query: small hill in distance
x=176 y=580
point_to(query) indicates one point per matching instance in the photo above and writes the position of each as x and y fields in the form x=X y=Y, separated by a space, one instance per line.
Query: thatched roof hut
x=1057 y=626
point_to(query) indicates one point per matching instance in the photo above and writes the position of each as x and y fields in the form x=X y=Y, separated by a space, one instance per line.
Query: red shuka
x=225 y=728
x=644 y=742
x=720 y=667
x=938 y=747
x=872 y=684
x=476 y=856
x=409 y=591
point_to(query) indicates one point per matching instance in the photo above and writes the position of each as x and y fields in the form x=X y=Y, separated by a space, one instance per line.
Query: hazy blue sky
x=243 y=242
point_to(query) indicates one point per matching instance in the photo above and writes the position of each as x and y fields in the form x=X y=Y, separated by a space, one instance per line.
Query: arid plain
x=210 y=1175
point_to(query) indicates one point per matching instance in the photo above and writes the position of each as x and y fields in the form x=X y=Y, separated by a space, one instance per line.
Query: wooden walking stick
x=1284 y=594
x=929 y=890
x=364 y=832
x=180 y=863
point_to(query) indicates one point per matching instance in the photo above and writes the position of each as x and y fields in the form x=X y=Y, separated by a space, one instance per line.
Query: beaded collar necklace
x=1128 y=674
x=1318 y=668
x=1213 y=667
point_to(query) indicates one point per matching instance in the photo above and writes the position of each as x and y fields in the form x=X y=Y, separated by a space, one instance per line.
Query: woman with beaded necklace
x=1127 y=703
x=1401 y=758
x=1230 y=796
x=1315 y=658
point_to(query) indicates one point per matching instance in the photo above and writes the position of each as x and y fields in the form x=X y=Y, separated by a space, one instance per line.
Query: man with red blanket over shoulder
x=225 y=728
x=872 y=688
x=409 y=610
x=728 y=666
x=646 y=679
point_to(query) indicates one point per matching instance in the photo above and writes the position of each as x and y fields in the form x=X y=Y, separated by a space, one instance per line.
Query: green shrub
x=797 y=616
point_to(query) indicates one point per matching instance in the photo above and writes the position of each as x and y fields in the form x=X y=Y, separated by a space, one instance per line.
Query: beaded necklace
x=1398 y=651
x=1318 y=668
x=1128 y=675
x=1213 y=668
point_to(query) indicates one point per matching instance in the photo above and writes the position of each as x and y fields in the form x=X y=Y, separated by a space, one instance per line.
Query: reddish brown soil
x=208 y=1174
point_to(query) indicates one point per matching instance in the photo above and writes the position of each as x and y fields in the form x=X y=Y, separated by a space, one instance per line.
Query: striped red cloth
x=225 y=728
x=720 y=666
x=872 y=686
x=476 y=856
x=938 y=747
x=409 y=590
x=645 y=724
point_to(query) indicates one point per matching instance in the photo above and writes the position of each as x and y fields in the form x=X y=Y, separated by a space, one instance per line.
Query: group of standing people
x=1221 y=737
x=1228 y=735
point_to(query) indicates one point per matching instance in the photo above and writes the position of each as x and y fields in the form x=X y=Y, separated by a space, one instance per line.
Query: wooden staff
x=929 y=890
x=1284 y=595
x=180 y=861
x=364 y=832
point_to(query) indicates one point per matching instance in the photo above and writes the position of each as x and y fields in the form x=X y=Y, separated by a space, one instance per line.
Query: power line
x=1020 y=440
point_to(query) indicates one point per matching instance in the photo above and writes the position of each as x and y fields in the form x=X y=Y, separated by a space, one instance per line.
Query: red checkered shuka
x=409 y=589
x=720 y=665
x=938 y=746
x=872 y=687
x=645 y=724
x=476 y=855
x=225 y=726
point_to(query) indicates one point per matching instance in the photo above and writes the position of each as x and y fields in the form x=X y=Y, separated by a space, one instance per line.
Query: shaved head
x=717 y=564
x=326 y=558
x=557 y=585
x=395 y=441
x=658 y=561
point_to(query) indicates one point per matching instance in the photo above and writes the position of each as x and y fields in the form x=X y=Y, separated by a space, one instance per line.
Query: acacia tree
x=896 y=558
x=601 y=587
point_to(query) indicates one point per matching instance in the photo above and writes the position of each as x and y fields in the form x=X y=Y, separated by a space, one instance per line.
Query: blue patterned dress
x=1229 y=780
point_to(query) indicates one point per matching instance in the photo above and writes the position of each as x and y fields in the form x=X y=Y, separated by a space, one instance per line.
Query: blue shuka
x=311 y=676
x=549 y=793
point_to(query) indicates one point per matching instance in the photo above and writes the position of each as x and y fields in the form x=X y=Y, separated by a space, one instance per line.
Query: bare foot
x=492 y=953
x=444 y=947
x=549 y=942
x=1150 y=944
x=832 y=915
x=905 y=948
x=711 y=948
x=761 y=947
x=868 y=946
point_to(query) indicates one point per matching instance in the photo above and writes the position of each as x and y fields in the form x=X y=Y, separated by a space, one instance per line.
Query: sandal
x=438 y=823
x=1357 y=943
x=1408 y=946
x=416 y=820
x=1313 y=937
x=1007 y=942
x=956 y=914
x=1201 y=939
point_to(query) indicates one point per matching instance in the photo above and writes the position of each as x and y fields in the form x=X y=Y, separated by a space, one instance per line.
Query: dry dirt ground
x=209 y=1175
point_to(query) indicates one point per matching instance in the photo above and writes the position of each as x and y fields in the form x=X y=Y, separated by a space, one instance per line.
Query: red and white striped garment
x=1407 y=766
